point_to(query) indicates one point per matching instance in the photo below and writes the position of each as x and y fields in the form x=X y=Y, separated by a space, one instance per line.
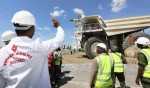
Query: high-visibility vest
x=104 y=77
x=57 y=58
x=146 y=52
x=118 y=64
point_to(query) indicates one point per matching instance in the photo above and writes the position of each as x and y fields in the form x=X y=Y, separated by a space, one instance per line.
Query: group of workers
x=110 y=64
x=24 y=63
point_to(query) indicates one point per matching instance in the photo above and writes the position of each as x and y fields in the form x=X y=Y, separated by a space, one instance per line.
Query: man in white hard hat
x=103 y=76
x=7 y=36
x=143 y=75
x=23 y=61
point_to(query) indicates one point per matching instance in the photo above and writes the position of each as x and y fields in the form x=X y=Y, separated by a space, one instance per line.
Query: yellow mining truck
x=121 y=32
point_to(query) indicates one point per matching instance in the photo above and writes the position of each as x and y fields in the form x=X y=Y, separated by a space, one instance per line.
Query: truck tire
x=131 y=38
x=90 y=47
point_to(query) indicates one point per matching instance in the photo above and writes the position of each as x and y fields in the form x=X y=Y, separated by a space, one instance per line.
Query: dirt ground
x=75 y=58
x=79 y=58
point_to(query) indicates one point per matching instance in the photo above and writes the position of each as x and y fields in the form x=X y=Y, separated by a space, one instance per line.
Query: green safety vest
x=146 y=52
x=118 y=64
x=104 y=77
x=57 y=58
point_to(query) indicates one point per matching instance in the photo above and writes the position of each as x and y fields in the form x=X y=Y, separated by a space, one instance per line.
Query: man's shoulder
x=26 y=41
x=142 y=60
x=141 y=55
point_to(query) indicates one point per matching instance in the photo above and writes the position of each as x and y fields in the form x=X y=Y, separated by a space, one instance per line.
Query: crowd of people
x=110 y=65
x=32 y=63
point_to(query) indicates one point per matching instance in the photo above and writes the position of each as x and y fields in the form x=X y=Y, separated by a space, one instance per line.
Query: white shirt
x=24 y=63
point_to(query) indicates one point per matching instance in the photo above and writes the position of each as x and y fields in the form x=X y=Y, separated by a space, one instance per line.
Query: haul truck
x=121 y=32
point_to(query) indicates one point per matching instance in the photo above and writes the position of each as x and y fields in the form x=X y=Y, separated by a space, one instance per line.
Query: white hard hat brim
x=23 y=28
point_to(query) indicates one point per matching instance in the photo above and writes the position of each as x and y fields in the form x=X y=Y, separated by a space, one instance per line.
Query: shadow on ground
x=64 y=79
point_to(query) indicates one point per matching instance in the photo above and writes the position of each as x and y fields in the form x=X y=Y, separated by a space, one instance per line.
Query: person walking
x=143 y=74
x=57 y=65
x=119 y=62
x=104 y=68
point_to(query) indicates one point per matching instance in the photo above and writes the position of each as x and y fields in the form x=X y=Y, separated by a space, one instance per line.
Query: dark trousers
x=145 y=82
x=57 y=71
x=52 y=76
x=120 y=76
x=55 y=74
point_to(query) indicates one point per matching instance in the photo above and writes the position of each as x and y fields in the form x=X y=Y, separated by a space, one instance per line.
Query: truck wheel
x=90 y=47
x=131 y=38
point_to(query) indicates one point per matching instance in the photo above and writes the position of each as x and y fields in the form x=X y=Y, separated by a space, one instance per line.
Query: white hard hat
x=102 y=45
x=23 y=17
x=8 y=35
x=143 y=41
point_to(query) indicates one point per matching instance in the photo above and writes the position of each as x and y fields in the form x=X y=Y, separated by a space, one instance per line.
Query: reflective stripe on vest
x=146 y=52
x=103 y=77
x=118 y=65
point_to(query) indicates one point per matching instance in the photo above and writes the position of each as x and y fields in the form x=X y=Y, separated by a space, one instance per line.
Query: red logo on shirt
x=17 y=56
x=14 y=48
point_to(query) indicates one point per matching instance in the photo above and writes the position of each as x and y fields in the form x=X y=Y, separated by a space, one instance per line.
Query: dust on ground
x=78 y=57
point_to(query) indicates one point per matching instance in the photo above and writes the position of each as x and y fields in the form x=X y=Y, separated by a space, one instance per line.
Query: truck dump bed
x=116 y=26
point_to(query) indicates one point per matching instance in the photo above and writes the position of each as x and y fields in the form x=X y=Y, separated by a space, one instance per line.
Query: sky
x=64 y=10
